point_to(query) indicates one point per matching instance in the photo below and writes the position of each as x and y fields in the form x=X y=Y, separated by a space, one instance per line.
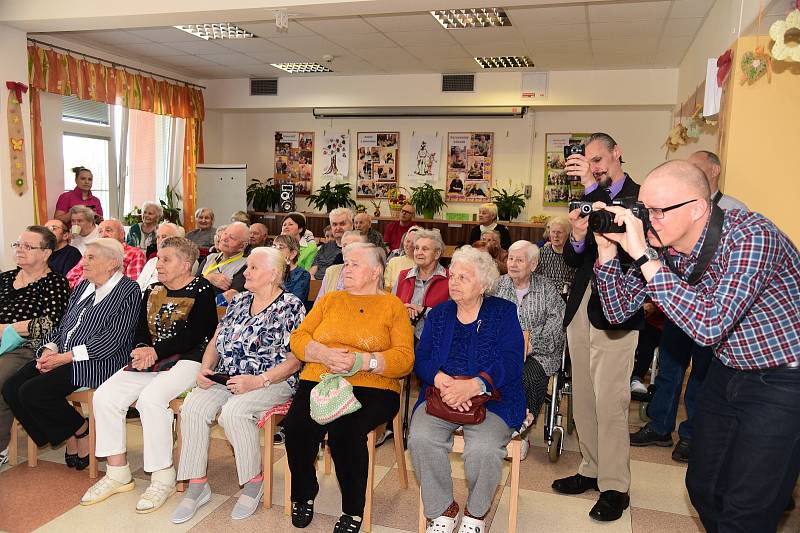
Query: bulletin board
x=377 y=163
x=559 y=188
x=470 y=159
x=294 y=160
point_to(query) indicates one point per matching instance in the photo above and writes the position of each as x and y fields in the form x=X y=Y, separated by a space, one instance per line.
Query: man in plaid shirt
x=745 y=453
x=134 y=259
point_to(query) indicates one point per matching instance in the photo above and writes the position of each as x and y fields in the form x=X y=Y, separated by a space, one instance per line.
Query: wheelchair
x=554 y=420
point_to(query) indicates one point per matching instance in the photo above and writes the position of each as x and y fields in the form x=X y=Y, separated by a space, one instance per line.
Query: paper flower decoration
x=777 y=32
x=754 y=65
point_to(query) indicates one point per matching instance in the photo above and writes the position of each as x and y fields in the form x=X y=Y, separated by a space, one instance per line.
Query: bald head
x=112 y=228
x=709 y=163
x=258 y=234
x=681 y=175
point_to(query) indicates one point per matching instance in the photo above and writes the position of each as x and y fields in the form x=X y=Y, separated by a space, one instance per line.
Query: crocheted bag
x=333 y=396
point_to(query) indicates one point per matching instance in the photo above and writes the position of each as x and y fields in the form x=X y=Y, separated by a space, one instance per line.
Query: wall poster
x=336 y=156
x=558 y=186
x=469 y=167
x=377 y=163
x=423 y=158
x=294 y=159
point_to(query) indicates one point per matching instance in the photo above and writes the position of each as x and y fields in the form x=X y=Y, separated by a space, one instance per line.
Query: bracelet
x=265 y=381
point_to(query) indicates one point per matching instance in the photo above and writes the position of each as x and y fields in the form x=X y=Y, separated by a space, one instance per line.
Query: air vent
x=264 y=87
x=458 y=83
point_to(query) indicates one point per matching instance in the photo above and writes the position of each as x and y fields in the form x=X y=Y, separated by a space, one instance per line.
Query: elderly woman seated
x=362 y=330
x=400 y=259
x=91 y=343
x=424 y=286
x=487 y=216
x=551 y=257
x=298 y=280
x=203 y=234
x=176 y=321
x=32 y=300
x=470 y=346
x=247 y=368
x=333 y=280
x=540 y=309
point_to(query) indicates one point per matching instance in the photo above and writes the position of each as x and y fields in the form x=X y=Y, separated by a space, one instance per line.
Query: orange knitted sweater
x=375 y=323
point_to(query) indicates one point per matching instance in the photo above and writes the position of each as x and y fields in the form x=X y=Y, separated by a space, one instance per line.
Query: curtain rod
x=114 y=63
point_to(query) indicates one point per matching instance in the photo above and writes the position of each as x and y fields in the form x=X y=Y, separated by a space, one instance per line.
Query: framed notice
x=294 y=159
x=558 y=187
x=376 y=164
x=469 y=167
x=423 y=157
x=336 y=156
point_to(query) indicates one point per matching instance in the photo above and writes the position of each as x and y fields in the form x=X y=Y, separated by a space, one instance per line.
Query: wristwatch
x=649 y=255
x=265 y=381
x=373 y=362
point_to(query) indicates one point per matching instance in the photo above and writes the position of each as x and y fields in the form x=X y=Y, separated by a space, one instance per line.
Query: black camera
x=585 y=207
x=570 y=149
x=603 y=221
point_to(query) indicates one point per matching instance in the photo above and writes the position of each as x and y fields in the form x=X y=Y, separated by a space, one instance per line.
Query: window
x=92 y=153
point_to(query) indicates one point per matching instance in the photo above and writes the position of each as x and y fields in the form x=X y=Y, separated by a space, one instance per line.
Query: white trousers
x=238 y=414
x=152 y=392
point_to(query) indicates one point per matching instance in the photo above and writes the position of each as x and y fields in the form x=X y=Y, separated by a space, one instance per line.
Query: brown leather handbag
x=435 y=406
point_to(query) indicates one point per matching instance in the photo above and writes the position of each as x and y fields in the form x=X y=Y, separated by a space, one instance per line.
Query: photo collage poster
x=336 y=156
x=469 y=167
x=376 y=164
x=423 y=158
x=559 y=188
x=294 y=160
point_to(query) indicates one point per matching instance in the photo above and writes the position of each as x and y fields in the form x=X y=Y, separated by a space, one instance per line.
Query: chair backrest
x=526 y=335
x=221 y=312
x=448 y=251
x=313 y=289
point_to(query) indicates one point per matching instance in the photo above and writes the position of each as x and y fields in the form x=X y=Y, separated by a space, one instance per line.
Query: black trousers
x=347 y=438
x=39 y=402
x=649 y=339
x=534 y=381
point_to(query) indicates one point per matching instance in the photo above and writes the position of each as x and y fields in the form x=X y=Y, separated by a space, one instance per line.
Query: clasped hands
x=457 y=393
x=143 y=357
x=50 y=360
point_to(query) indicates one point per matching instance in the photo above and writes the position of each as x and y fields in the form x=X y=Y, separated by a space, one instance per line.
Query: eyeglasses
x=25 y=247
x=657 y=213
x=407 y=212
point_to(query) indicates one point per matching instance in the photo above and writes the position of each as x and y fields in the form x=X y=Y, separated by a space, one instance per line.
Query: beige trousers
x=602 y=362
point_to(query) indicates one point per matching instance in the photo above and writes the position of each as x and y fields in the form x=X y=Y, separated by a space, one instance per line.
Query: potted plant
x=134 y=217
x=509 y=205
x=172 y=213
x=263 y=195
x=330 y=197
x=427 y=200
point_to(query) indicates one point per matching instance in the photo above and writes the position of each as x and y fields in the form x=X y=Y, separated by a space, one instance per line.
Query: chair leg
x=180 y=486
x=326 y=454
x=12 y=443
x=367 y=523
x=287 y=489
x=399 y=452
x=513 y=500
x=269 y=452
x=92 y=437
x=423 y=523
x=33 y=453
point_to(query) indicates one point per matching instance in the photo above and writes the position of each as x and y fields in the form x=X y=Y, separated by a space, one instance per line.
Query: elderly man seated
x=363 y=223
x=225 y=269
x=65 y=256
x=149 y=275
x=259 y=235
x=330 y=253
x=82 y=217
x=134 y=259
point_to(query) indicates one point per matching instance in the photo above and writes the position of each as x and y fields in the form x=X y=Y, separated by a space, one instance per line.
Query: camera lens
x=586 y=209
x=603 y=222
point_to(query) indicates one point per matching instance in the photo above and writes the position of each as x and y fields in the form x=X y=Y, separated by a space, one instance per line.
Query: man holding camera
x=731 y=280
x=601 y=353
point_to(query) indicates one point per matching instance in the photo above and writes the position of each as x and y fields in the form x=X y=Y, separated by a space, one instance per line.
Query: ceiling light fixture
x=505 y=62
x=217 y=30
x=459 y=19
x=301 y=68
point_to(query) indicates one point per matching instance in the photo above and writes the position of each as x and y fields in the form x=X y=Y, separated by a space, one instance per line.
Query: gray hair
x=377 y=255
x=339 y=211
x=220 y=229
x=202 y=210
x=531 y=250
x=711 y=156
x=491 y=231
x=481 y=261
x=272 y=258
x=559 y=221
x=184 y=247
x=179 y=231
x=157 y=207
x=86 y=212
x=355 y=233
x=241 y=216
x=111 y=249
x=433 y=235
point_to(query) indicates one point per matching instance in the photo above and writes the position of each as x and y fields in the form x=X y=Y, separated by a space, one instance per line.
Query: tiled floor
x=46 y=498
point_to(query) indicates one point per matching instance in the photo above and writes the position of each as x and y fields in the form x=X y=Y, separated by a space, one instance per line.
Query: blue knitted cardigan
x=496 y=349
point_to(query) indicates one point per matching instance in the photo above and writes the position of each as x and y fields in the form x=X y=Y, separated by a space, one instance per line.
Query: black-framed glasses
x=657 y=213
x=25 y=247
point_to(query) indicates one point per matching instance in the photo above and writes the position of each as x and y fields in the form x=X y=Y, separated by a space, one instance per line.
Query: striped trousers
x=238 y=414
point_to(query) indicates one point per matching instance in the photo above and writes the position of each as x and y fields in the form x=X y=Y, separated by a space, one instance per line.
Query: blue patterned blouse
x=252 y=344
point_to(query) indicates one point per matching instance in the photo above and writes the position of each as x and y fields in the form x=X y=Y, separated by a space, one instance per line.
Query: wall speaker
x=287 y=197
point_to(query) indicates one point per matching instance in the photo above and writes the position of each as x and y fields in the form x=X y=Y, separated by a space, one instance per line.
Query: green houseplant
x=427 y=200
x=263 y=195
x=509 y=205
x=172 y=213
x=329 y=197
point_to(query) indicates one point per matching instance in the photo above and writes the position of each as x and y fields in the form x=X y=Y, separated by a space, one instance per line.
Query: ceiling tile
x=413 y=38
x=542 y=16
x=387 y=57
x=615 y=30
x=674 y=46
x=200 y=47
x=440 y=52
x=561 y=32
x=690 y=8
x=682 y=27
x=603 y=48
x=309 y=45
x=505 y=34
x=362 y=40
x=452 y=66
x=392 y=23
x=496 y=49
x=562 y=47
x=628 y=11
x=232 y=59
x=105 y=37
x=251 y=45
x=562 y=61
x=630 y=59
x=267 y=29
x=187 y=61
x=337 y=26
x=278 y=57
x=164 y=35
x=148 y=50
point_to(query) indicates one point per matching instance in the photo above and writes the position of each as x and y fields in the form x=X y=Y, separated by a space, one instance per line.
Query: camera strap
x=707 y=251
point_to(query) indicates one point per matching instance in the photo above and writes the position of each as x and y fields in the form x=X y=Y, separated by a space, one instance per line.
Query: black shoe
x=302 y=513
x=790 y=506
x=70 y=459
x=646 y=436
x=610 y=505
x=681 y=451
x=347 y=524
x=576 y=484
x=81 y=463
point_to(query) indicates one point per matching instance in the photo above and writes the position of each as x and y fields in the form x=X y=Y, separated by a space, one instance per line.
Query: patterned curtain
x=66 y=75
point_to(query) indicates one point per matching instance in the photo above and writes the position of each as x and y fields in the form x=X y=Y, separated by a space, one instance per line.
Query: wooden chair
x=515 y=453
x=313 y=289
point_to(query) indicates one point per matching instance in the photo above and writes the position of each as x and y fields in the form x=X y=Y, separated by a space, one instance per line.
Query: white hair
x=433 y=235
x=481 y=261
x=271 y=258
x=179 y=231
x=339 y=211
x=111 y=249
x=377 y=255
x=530 y=249
x=201 y=210
x=154 y=205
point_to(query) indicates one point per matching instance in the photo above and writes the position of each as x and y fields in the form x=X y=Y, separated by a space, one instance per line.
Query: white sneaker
x=4 y=457
x=196 y=496
x=104 y=489
x=472 y=525
x=154 y=497
x=525 y=444
x=638 y=386
x=442 y=524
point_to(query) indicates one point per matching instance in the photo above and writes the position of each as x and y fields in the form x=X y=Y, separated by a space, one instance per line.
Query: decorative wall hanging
x=756 y=63
x=294 y=160
x=16 y=136
x=470 y=158
x=780 y=51
x=724 y=66
x=377 y=164
x=558 y=186
x=423 y=158
x=336 y=156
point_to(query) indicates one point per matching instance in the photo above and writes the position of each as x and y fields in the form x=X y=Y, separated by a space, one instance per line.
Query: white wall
x=518 y=156
x=52 y=141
